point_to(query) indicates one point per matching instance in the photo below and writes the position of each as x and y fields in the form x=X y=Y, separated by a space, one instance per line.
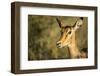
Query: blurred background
x=44 y=32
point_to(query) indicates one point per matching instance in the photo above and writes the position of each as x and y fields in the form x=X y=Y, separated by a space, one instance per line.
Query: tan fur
x=68 y=39
x=74 y=51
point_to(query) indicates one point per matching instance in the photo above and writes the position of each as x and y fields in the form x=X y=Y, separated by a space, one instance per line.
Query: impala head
x=67 y=32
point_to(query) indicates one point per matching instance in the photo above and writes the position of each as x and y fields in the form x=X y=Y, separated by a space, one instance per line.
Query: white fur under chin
x=67 y=44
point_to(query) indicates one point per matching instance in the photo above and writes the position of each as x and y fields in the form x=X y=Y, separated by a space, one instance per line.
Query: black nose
x=58 y=44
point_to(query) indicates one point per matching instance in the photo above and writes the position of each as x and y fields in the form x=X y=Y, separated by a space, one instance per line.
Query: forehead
x=67 y=28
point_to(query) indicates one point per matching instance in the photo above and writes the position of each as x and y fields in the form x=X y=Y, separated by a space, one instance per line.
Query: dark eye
x=69 y=32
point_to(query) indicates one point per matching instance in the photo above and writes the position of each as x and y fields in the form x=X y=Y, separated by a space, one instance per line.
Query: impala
x=68 y=38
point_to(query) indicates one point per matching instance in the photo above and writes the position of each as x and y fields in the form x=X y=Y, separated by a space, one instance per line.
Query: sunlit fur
x=68 y=38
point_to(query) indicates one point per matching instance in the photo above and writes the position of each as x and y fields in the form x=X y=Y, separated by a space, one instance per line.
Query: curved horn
x=59 y=22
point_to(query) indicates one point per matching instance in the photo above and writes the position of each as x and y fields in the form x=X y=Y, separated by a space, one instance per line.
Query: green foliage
x=43 y=33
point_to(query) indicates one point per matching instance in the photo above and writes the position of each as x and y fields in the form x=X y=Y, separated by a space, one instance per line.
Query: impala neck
x=73 y=49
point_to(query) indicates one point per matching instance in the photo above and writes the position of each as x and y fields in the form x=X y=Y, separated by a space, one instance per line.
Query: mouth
x=59 y=45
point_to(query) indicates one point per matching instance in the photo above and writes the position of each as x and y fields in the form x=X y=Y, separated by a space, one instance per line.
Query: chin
x=62 y=46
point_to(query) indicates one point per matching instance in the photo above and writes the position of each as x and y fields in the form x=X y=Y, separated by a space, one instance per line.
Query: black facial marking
x=81 y=18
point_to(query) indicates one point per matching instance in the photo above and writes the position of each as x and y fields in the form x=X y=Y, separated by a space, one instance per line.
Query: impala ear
x=81 y=18
x=78 y=23
x=59 y=22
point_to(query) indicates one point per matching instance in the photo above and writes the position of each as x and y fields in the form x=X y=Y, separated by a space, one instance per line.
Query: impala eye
x=69 y=32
